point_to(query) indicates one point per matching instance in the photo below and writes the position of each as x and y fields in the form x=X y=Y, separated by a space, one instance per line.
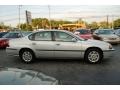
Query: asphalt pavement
x=72 y=72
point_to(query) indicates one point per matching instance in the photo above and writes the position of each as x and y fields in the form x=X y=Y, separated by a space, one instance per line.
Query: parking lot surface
x=71 y=72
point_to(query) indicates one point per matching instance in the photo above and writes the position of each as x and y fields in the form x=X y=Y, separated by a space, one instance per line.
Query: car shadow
x=42 y=60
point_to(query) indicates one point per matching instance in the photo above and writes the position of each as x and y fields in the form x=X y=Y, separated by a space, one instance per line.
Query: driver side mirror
x=74 y=40
x=97 y=33
x=77 y=33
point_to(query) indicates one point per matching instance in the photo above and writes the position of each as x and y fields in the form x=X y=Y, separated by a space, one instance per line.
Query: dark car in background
x=2 y=34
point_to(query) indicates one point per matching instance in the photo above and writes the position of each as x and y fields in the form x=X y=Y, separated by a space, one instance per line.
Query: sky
x=9 y=14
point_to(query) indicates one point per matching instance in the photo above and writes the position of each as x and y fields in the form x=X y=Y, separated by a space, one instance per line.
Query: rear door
x=42 y=43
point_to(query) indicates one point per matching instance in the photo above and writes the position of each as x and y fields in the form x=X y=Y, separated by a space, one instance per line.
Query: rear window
x=11 y=35
x=84 y=31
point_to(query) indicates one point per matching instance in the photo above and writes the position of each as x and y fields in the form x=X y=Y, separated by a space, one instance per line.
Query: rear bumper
x=3 y=45
x=12 y=52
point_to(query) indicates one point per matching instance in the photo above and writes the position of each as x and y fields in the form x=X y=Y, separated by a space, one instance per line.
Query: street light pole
x=107 y=22
x=19 y=7
x=112 y=21
x=49 y=17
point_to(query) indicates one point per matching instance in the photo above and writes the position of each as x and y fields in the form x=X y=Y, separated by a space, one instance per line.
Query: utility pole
x=19 y=7
x=107 y=22
x=49 y=17
x=112 y=21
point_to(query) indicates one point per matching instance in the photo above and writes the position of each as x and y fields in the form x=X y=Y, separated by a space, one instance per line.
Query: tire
x=27 y=56
x=93 y=55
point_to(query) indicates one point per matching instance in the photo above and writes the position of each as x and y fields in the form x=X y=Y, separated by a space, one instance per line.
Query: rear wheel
x=93 y=55
x=27 y=56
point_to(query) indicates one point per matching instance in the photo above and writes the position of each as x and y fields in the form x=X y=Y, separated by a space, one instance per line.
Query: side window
x=95 y=32
x=14 y=35
x=62 y=36
x=41 y=36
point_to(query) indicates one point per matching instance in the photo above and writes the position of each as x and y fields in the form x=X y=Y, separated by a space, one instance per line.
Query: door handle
x=58 y=44
x=33 y=43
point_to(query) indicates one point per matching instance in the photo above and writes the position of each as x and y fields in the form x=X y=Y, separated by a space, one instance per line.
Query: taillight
x=7 y=43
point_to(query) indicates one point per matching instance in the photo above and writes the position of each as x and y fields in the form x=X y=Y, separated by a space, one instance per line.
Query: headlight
x=118 y=38
x=105 y=38
x=110 y=46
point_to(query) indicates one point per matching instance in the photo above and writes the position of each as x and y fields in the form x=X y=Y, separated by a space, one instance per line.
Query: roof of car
x=82 y=29
x=104 y=29
x=53 y=30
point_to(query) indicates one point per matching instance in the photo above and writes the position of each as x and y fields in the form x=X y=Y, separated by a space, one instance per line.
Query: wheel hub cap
x=93 y=56
x=27 y=56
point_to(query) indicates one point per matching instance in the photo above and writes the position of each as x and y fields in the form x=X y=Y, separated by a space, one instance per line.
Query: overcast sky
x=9 y=13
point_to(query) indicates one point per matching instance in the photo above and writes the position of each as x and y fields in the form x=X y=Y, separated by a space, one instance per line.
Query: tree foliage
x=93 y=25
x=117 y=23
x=44 y=23
x=40 y=23
x=104 y=25
x=26 y=27
x=3 y=26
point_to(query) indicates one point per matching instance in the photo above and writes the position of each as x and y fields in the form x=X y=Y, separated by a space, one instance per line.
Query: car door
x=66 y=46
x=42 y=43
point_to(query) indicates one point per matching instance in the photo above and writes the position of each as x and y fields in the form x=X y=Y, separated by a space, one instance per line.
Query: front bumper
x=108 y=53
x=112 y=41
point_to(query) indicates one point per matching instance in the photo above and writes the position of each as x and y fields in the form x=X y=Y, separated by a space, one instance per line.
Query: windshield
x=118 y=31
x=84 y=31
x=106 y=32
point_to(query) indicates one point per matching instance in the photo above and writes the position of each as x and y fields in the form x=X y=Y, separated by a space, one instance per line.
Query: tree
x=117 y=24
x=80 y=21
x=26 y=27
x=104 y=25
x=93 y=26
x=45 y=23
x=40 y=23
x=23 y=26
x=29 y=28
x=2 y=25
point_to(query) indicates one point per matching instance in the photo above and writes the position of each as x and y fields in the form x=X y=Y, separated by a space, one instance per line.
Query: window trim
x=40 y=32
x=62 y=41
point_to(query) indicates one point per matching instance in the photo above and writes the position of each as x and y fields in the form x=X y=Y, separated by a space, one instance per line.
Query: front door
x=66 y=46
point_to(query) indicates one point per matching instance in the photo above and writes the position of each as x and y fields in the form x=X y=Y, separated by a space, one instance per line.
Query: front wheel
x=93 y=55
x=27 y=56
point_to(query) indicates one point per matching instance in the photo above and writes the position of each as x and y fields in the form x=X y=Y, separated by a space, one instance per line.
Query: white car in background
x=117 y=32
x=107 y=35
x=58 y=44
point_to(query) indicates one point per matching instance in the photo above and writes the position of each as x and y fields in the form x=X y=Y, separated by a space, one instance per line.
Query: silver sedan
x=58 y=44
x=107 y=35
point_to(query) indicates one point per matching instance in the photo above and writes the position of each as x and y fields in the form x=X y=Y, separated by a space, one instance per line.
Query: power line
x=12 y=19
x=93 y=16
